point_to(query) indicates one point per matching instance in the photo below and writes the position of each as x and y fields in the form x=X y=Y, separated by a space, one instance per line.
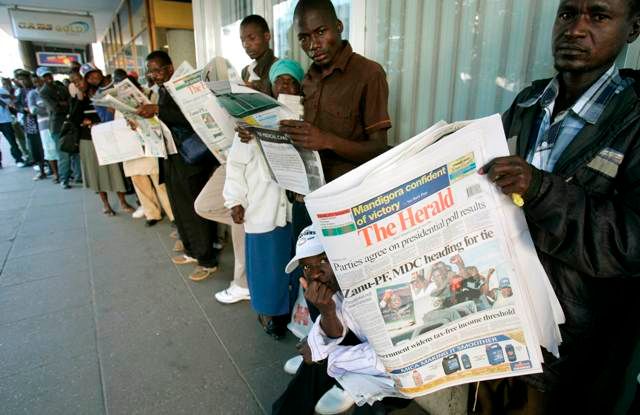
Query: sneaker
x=65 y=185
x=202 y=273
x=183 y=259
x=292 y=365
x=138 y=214
x=40 y=176
x=20 y=164
x=233 y=294
x=178 y=246
x=335 y=401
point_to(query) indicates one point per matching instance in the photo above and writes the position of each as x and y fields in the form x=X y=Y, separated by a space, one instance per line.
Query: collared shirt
x=352 y=366
x=554 y=136
x=349 y=100
x=260 y=68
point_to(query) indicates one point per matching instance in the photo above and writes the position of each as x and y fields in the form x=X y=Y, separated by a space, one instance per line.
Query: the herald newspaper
x=435 y=264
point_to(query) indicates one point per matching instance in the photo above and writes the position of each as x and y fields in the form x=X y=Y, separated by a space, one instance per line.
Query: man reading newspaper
x=336 y=349
x=577 y=166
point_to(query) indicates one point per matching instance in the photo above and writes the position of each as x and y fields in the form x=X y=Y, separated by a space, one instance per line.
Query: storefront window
x=123 y=18
x=138 y=16
x=143 y=48
x=232 y=12
x=456 y=60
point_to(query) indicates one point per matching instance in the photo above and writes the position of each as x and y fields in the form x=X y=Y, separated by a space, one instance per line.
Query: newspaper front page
x=200 y=107
x=436 y=265
x=115 y=142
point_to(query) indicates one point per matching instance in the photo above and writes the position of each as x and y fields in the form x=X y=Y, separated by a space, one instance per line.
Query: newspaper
x=206 y=116
x=184 y=68
x=436 y=265
x=292 y=167
x=116 y=142
x=125 y=97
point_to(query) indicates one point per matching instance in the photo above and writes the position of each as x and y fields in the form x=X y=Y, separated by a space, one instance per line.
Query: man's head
x=75 y=66
x=311 y=258
x=505 y=287
x=286 y=77
x=255 y=35
x=589 y=34
x=45 y=74
x=25 y=79
x=159 y=67
x=119 y=75
x=92 y=75
x=319 y=30
x=78 y=81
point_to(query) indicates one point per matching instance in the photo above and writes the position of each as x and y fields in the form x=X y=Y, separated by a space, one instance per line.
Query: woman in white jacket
x=262 y=206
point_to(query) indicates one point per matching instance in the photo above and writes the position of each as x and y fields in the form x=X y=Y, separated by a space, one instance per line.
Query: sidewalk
x=95 y=319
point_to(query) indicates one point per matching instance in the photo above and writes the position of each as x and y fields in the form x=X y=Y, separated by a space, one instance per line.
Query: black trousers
x=34 y=142
x=7 y=130
x=184 y=184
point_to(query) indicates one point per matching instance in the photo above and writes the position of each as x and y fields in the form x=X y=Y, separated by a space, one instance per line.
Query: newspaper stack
x=436 y=265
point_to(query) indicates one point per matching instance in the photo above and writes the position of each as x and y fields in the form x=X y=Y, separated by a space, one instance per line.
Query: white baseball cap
x=308 y=245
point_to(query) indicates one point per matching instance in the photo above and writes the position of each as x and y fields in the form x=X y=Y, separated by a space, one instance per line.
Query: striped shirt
x=555 y=135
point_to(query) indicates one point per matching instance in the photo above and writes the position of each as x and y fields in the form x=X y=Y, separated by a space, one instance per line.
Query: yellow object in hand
x=517 y=199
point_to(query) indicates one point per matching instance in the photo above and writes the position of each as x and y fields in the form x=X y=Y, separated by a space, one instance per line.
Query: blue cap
x=87 y=68
x=42 y=71
x=286 y=67
x=504 y=283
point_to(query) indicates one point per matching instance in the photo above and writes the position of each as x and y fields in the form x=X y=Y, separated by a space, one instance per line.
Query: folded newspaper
x=436 y=265
x=148 y=139
x=214 y=103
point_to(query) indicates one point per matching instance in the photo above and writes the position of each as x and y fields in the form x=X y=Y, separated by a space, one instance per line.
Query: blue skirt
x=267 y=254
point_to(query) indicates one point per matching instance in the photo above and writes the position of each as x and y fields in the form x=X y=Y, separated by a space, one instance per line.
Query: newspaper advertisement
x=435 y=264
x=200 y=107
x=116 y=142
x=293 y=168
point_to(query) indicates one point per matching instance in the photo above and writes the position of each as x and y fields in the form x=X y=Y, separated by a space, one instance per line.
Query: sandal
x=109 y=212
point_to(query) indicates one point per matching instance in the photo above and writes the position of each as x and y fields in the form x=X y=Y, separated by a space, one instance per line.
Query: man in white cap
x=336 y=349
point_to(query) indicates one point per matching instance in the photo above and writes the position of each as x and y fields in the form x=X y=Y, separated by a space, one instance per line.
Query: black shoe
x=65 y=186
x=150 y=222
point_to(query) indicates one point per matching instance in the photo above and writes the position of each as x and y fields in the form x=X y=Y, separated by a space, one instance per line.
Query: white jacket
x=249 y=184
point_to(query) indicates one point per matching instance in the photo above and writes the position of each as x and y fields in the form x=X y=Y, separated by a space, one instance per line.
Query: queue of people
x=577 y=166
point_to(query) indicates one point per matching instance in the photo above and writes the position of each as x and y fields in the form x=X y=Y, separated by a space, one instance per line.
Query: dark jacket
x=57 y=99
x=584 y=219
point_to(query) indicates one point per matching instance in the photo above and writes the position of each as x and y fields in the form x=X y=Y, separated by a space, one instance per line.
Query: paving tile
x=34 y=267
x=268 y=381
x=45 y=339
x=14 y=203
x=66 y=387
x=59 y=212
x=5 y=247
x=53 y=240
x=35 y=298
x=47 y=225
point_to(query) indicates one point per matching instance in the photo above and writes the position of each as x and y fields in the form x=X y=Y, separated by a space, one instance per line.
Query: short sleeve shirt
x=349 y=101
x=261 y=68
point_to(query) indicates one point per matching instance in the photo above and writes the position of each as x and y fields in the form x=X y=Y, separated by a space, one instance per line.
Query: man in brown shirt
x=255 y=37
x=345 y=95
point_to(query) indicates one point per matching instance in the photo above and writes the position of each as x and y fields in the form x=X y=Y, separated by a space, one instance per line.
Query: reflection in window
x=456 y=60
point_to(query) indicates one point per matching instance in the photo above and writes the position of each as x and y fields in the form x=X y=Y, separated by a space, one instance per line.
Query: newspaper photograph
x=293 y=168
x=200 y=107
x=435 y=264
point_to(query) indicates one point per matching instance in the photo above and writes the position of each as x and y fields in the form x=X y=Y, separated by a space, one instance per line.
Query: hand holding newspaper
x=436 y=265
x=125 y=97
